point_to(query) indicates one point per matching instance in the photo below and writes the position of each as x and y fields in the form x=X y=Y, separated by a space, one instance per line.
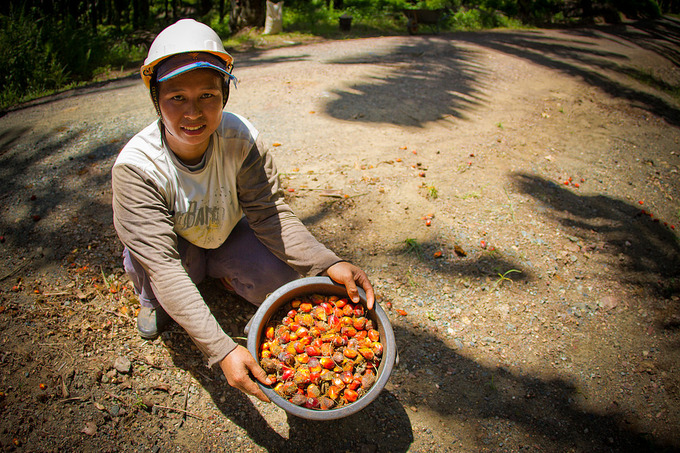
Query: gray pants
x=249 y=267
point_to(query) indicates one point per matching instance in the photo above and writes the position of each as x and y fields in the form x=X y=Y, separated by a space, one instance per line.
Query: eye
x=177 y=98
x=207 y=95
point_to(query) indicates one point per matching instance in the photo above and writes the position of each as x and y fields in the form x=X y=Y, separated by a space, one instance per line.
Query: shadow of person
x=232 y=313
x=381 y=426
x=383 y=423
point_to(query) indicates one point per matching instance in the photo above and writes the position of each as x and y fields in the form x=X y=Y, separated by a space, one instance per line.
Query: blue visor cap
x=185 y=62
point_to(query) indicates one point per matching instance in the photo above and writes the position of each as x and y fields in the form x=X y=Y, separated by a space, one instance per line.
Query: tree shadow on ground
x=579 y=59
x=436 y=77
x=648 y=250
x=430 y=77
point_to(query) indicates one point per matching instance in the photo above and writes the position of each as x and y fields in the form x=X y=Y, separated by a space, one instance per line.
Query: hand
x=350 y=275
x=237 y=367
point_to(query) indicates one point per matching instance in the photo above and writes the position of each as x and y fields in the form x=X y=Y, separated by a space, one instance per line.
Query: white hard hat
x=184 y=36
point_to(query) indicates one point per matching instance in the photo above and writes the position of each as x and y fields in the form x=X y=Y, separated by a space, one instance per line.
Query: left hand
x=350 y=275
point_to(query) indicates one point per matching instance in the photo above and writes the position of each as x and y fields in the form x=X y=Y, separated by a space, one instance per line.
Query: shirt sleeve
x=273 y=221
x=144 y=225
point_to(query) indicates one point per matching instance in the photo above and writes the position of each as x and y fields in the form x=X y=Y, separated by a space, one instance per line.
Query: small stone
x=122 y=365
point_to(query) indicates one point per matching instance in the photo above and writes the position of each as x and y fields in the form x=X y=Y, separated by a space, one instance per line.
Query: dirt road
x=513 y=195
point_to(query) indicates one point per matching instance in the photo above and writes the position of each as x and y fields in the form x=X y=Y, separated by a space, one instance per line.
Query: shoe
x=151 y=321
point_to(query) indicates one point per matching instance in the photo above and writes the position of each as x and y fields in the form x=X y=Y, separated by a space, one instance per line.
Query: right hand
x=238 y=366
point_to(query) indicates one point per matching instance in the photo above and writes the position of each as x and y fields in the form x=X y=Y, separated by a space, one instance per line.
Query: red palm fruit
x=289 y=388
x=348 y=331
x=355 y=384
x=266 y=354
x=350 y=395
x=328 y=337
x=327 y=308
x=317 y=342
x=286 y=321
x=315 y=377
x=350 y=353
x=291 y=314
x=269 y=333
x=312 y=351
x=337 y=381
x=296 y=303
x=369 y=324
x=346 y=377
x=377 y=348
x=284 y=337
x=313 y=391
x=312 y=403
x=358 y=310
x=368 y=354
x=292 y=336
x=361 y=335
x=333 y=322
x=287 y=358
x=298 y=399
x=302 y=358
x=340 y=303
x=306 y=340
x=338 y=357
x=287 y=374
x=374 y=335
x=307 y=320
x=367 y=380
x=290 y=348
x=359 y=323
x=333 y=392
x=278 y=388
x=346 y=321
x=275 y=348
x=327 y=363
x=339 y=341
x=326 y=403
x=301 y=332
x=348 y=310
x=348 y=366
x=302 y=376
x=326 y=349
x=327 y=375
x=298 y=346
x=338 y=312
x=306 y=307
x=314 y=364
x=320 y=313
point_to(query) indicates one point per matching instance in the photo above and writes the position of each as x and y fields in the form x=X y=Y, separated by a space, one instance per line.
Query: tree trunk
x=247 y=13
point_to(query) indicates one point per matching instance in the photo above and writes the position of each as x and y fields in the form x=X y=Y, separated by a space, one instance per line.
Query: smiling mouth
x=193 y=128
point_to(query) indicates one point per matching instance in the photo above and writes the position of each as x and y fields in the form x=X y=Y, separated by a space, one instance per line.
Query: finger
x=250 y=387
x=370 y=296
x=352 y=291
x=259 y=374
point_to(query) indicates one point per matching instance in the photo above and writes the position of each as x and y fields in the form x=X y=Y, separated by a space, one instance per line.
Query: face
x=191 y=108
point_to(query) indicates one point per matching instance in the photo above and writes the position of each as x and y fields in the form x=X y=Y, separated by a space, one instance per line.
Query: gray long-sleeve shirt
x=156 y=198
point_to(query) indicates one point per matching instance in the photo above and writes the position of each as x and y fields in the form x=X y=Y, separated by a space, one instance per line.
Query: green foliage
x=53 y=45
x=41 y=55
